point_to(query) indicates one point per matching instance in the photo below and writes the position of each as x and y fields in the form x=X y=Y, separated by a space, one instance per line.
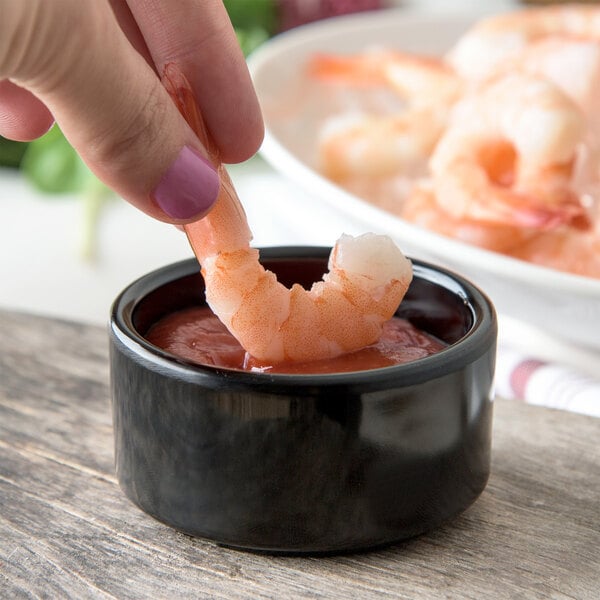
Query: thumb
x=109 y=103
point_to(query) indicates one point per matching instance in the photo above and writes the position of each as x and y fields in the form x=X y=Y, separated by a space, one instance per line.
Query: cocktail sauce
x=196 y=335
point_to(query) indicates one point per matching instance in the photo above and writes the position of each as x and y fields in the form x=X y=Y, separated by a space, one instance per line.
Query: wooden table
x=67 y=531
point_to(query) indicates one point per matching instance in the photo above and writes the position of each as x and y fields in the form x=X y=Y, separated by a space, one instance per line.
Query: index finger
x=198 y=36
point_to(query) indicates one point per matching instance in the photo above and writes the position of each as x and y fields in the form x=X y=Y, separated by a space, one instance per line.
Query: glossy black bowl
x=304 y=463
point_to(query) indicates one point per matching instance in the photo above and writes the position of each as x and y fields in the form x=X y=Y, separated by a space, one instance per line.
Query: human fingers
x=109 y=102
x=22 y=116
x=129 y=26
x=198 y=37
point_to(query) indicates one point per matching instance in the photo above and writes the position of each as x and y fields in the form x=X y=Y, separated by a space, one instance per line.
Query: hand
x=95 y=65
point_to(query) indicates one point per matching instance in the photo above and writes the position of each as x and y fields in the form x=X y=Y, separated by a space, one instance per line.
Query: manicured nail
x=190 y=186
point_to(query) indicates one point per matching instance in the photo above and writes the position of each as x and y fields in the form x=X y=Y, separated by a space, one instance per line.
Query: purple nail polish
x=190 y=186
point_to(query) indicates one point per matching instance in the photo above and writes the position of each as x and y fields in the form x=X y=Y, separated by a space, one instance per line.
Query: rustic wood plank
x=66 y=530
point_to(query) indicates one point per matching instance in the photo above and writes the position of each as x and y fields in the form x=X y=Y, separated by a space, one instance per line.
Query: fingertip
x=189 y=187
x=22 y=116
x=243 y=143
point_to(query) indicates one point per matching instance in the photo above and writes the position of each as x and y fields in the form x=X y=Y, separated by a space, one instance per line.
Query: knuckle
x=18 y=22
x=39 y=39
x=135 y=134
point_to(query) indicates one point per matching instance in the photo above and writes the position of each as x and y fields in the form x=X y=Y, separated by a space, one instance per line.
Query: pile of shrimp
x=496 y=143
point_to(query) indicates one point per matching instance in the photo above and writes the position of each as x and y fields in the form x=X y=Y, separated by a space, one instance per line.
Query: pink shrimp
x=359 y=145
x=422 y=208
x=570 y=63
x=368 y=277
x=564 y=249
x=419 y=80
x=493 y=40
x=508 y=158
x=364 y=144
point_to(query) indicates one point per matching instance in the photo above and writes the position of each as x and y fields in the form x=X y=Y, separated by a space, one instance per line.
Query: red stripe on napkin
x=521 y=373
x=544 y=383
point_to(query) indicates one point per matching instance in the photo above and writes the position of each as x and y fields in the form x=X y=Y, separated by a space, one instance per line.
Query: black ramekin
x=304 y=463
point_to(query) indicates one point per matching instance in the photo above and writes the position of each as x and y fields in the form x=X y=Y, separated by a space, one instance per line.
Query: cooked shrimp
x=422 y=208
x=564 y=249
x=574 y=66
x=571 y=64
x=509 y=156
x=419 y=80
x=368 y=277
x=375 y=145
x=361 y=145
x=495 y=39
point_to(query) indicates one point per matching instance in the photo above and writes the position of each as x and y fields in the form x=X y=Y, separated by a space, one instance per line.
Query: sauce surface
x=198 y=336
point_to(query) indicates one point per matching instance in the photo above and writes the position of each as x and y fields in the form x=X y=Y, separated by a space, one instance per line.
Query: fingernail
x=190 y=186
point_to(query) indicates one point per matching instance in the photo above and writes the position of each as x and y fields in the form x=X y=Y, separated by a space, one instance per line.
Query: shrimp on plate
x=571 y=64
x=509 y=156
x=564 y=249
x=368 y=277
x=422 y=209
x=363 y=144
x=359 y=145
x=493 y=40
x=574 y=66
x=419 y=80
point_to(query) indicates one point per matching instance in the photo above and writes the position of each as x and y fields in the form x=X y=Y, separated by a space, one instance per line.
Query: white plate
x=564 y=305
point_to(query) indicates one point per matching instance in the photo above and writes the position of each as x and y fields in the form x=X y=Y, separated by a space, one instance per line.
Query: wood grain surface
x=67 y=531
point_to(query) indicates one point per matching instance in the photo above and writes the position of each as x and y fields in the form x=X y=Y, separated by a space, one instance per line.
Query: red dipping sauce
x=196 y=334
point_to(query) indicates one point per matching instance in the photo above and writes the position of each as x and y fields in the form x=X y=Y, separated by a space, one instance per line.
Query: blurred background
x=68 y=246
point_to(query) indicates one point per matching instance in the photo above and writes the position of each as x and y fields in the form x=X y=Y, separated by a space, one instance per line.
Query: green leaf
x=250 y=39
x=11 y=152
x=52 y=165
x=253 y=14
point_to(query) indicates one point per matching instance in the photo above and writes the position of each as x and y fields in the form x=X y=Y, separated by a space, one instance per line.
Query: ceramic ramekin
x=304 y=463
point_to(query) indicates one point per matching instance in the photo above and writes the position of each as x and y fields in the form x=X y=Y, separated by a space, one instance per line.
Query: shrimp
x=383 y=145
x=419 y=80
x=495 y=39
x=508 y=157
x=564 y=249
x=359 y=145
x=571 y=64
x=368 y=277
x=574 y=66
x=422 y=208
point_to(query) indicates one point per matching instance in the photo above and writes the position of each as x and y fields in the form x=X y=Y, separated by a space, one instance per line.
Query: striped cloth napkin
x=545 y=383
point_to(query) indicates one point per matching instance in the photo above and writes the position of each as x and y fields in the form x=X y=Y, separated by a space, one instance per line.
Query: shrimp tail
x=181 y=93
x=567 y=210
x=363 y=70
x=542 y=219
x=227 y=217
